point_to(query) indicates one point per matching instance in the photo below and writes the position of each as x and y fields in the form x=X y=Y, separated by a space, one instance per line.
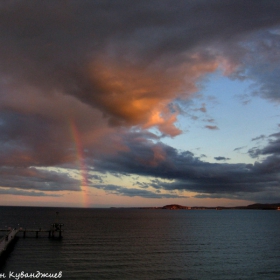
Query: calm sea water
x=147 y=244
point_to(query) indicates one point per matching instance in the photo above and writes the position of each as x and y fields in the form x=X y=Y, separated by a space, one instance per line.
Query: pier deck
x=7 y=239
x=55 y=231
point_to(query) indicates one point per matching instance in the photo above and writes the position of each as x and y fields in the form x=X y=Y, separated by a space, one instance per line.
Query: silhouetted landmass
x=256 y=206
x=175 y=207
x=260 y=206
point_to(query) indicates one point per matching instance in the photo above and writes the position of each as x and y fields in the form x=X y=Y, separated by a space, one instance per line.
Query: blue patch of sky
x=238 y=116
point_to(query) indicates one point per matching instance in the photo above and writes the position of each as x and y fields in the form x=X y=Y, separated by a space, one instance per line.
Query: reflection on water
x=148 y=244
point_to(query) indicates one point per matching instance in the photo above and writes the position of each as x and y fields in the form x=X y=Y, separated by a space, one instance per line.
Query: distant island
x=256 y=206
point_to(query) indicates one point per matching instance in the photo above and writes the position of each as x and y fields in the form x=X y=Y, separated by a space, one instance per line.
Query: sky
x=139 y=103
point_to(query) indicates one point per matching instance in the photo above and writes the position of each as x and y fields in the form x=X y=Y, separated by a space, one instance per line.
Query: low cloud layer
x=132 y=192
x=89 y=79
x=188 y=173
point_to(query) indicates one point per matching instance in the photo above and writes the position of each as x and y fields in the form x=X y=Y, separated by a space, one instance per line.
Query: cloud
x=239 y=148
x=211 y=127
x=132 y=192
x=221 y=158
x=85 y=81
x=188 y=173
x=263 y=64
x=82 y=56
x=202 y=108
x=36 y=179
x=126 y=61
x=261 y=137
x=272 y=148
x=13 y=191
x=254 y=152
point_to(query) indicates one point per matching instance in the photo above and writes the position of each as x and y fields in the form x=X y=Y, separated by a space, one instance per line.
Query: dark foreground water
x=147 y=244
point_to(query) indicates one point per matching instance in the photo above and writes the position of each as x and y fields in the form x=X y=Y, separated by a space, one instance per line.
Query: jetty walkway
x=54 y=231
x=7 y=239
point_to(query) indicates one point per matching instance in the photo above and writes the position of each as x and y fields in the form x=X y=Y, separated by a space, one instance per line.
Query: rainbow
x=81 y=161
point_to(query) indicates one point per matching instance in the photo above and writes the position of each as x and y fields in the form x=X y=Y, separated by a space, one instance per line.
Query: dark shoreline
x=256 y=206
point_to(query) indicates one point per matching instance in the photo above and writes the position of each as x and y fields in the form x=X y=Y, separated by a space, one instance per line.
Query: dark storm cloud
x=70 y=68
x=31 y=140
x=187 y=172
x=49 y=44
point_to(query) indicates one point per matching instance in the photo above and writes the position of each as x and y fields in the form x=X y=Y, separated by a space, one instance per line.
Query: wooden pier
x=55 y=231
x=7 y=240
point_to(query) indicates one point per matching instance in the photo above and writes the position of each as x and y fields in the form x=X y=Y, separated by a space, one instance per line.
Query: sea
x=144 y=244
